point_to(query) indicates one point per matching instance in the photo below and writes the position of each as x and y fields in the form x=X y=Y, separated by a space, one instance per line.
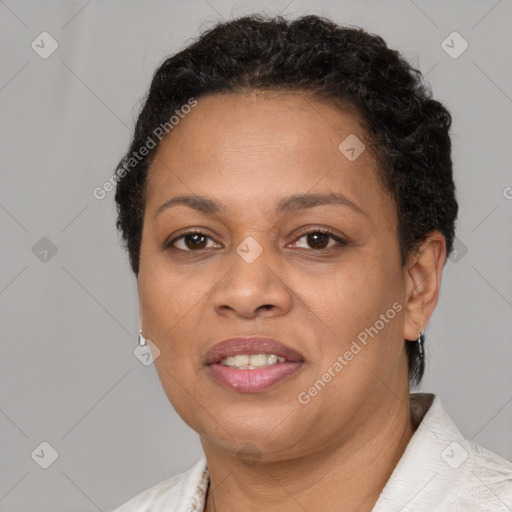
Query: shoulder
x=470 y=477
x=487 y=482
x=185 y=490
x=442 y=471
x=170 y=488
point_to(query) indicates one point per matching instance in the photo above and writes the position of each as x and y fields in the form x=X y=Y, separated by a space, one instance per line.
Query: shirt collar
x=434 y=467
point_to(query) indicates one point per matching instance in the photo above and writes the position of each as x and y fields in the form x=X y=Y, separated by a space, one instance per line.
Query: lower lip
x=252 y=381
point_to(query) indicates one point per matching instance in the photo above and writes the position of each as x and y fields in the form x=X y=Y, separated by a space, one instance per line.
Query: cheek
x=352 y=301
x=162 y=301
x=164 y=293
x=174 y=309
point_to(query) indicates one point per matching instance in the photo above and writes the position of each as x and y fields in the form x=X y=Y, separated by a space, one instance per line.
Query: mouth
x=252 y=364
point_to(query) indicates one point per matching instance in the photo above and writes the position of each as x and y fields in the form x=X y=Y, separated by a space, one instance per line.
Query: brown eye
x=196 y=241
x=319 y=239
x=191 y=241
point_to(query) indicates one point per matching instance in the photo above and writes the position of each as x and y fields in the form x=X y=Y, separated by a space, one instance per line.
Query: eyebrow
x=287 y=205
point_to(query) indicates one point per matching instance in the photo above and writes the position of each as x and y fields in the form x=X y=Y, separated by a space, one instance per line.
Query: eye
x=189 y=241
x=319 y=238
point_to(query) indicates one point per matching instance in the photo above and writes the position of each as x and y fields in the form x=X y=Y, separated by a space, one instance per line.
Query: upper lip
x=251 y=345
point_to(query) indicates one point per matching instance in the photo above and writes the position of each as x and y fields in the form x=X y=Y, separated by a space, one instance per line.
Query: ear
x=423 y=271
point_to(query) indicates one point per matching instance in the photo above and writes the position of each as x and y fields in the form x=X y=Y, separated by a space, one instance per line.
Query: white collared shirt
x=440 y=471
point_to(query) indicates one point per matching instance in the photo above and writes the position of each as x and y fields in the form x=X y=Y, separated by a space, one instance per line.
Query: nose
x=251 y=290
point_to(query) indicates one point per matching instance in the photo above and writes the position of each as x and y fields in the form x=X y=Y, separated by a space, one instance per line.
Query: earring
x=142 y=340
x=421 y=341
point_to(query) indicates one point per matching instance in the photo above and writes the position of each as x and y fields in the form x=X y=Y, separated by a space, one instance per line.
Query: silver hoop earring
x=142 y=340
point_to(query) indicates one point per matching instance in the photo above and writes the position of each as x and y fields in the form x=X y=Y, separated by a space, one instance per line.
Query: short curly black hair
x=408 y=130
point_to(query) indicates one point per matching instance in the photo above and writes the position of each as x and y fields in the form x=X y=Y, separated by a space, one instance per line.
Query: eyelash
x=324 y=231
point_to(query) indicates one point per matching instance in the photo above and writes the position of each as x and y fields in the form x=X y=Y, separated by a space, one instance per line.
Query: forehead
x=250 y=146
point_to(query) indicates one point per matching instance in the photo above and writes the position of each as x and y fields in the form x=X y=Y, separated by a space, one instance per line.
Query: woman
x=288 y=205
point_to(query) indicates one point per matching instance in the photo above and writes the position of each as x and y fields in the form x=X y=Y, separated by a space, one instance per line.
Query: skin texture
x=266 y=450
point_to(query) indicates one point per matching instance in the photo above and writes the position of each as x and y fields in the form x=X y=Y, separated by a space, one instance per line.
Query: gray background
x=69 y=320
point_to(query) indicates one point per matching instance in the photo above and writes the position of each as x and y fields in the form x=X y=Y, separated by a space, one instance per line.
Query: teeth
x=253 y=361
x=272 y=359
x=258 y=360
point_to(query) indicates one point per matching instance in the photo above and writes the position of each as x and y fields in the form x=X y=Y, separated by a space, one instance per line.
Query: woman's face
x=337 y=300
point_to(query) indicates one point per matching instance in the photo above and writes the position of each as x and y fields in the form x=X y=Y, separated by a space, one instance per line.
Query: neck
x=351 y=473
